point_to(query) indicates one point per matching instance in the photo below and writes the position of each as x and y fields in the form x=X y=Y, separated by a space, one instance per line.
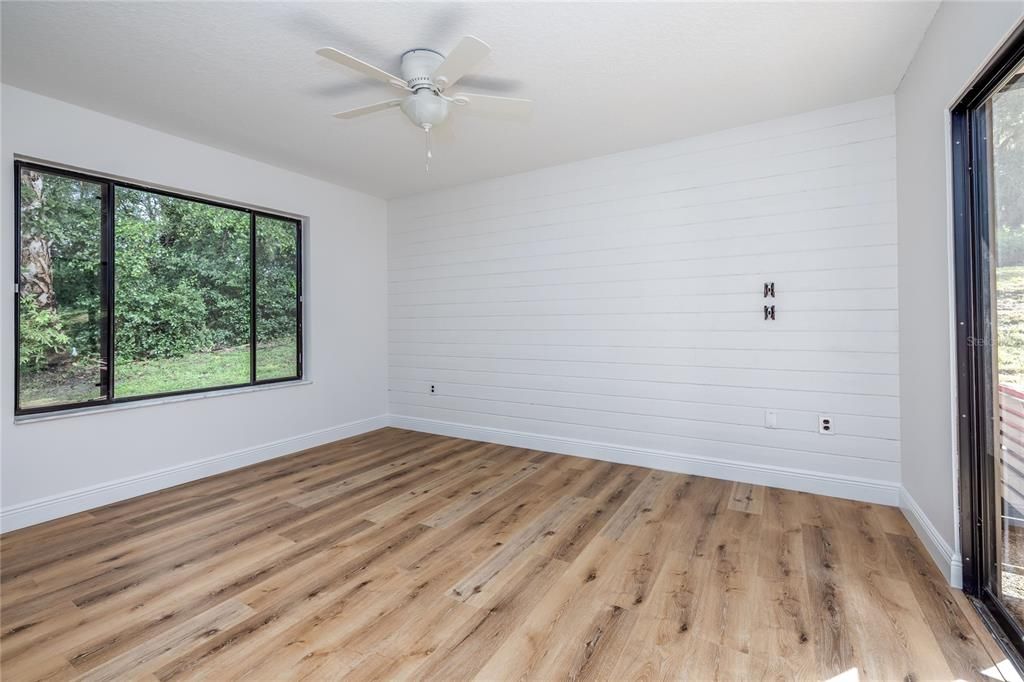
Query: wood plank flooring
x=400 y=555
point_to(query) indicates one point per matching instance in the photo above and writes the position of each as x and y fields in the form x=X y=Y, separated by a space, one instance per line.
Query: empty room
x=512 y=340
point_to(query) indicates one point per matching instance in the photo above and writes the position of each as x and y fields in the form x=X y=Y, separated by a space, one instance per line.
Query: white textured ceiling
x=606 y=77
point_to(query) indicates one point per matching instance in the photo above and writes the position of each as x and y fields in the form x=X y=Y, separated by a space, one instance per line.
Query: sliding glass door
x=988 y=165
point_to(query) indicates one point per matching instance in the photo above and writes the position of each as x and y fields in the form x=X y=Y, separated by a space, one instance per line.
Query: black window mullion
x=252 y=297
x=107 y=293
x=298 y=299
x=17 y=286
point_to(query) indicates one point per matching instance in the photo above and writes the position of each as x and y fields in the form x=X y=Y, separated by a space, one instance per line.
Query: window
x=128 y=292
x=62 y=319
x=276 y=300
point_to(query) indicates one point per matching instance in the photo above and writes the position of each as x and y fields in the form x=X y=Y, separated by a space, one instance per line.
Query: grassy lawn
x=147 y=377
x=1010 y=316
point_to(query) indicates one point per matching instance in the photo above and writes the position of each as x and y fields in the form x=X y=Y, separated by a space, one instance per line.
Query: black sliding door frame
x=977 y=413
x=107 y=290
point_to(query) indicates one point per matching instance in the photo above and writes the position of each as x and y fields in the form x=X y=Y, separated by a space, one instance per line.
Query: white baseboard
x=863 y=489
x=55 y=506
x=945 y=557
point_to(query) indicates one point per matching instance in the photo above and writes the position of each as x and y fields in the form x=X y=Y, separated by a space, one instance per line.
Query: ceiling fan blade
x=368 y=109
x=508 y=106
x=361 y=66
x=459 y=61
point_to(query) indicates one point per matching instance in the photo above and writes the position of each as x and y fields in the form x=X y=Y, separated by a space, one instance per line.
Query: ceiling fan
x=426 y=77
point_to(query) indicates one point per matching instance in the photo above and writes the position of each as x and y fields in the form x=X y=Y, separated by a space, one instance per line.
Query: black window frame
x=975 y=409
x=107 y=299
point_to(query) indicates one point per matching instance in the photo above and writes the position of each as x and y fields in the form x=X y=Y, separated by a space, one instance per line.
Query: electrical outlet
x=771 y=419
x=433 y=388
x=825 y=425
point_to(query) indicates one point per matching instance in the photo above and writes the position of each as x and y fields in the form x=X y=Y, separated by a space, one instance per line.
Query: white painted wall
x=613 y=307
x=957 y=44
x=346 y=327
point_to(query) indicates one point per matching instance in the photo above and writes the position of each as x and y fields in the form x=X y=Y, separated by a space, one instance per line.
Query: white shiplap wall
x=613 y=307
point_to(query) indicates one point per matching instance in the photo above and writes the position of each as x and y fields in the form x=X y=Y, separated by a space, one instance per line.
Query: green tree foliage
x=42 y=336
x=276 y=282
x=60 y=269
x=182 y=276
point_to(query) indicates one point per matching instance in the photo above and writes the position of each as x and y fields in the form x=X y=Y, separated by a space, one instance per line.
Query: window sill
x=136 y=404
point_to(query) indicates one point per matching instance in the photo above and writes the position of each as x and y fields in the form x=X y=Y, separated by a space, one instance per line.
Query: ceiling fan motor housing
x=418 y=66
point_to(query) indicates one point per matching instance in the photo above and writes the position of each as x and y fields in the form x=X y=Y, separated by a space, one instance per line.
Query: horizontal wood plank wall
x=619 y=300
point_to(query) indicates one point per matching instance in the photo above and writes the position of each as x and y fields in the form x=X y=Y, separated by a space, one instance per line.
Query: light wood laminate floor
x=403 y=555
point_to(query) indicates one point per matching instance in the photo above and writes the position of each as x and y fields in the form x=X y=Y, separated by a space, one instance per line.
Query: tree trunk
x=36 y=259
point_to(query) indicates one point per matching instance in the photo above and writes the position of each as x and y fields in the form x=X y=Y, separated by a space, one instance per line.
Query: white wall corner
x=862 y=489
x=945 y=557
x=75 y=501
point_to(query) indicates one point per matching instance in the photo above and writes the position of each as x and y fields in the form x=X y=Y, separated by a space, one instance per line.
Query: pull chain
x=426 y=129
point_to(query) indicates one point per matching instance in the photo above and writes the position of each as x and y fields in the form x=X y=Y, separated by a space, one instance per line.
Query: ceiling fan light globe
x=425 y=108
